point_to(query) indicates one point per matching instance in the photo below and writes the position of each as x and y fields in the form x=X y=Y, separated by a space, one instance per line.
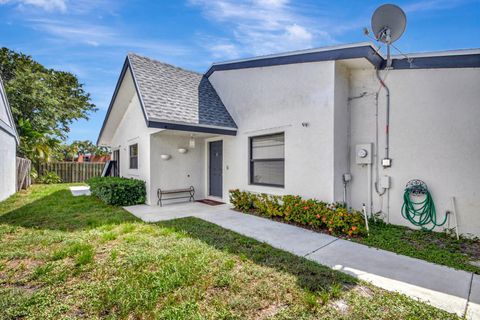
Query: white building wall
x=278 y=99
x=340 y=130
x=132 y=129
x=181 y=170
x=7 y=165
x=434 y=136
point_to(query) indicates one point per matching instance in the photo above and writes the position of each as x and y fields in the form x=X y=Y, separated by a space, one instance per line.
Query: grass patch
x=75 y=257
x=431 y=246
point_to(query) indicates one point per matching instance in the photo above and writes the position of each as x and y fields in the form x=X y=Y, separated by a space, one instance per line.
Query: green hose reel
x=418 y=206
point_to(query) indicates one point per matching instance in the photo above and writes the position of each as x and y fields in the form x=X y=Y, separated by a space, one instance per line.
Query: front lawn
x=75 y=257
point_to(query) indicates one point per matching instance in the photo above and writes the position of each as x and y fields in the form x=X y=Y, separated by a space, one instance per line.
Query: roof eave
x=438 y=62
x=12 y=130
x=449 y=59
x=114 y=96
x=364 y=50
x=159 y=124
x=126 y=66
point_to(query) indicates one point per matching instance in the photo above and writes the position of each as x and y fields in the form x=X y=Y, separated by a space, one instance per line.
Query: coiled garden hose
x=420 y=213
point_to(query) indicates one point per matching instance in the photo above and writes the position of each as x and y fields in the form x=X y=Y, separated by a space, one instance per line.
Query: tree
x=88 y=147
x=44 y=103
x=72 y=151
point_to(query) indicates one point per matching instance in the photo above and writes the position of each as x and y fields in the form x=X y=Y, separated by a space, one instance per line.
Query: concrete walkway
x=445 y=288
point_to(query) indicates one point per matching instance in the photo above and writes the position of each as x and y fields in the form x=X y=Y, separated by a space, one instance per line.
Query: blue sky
x=90 y=38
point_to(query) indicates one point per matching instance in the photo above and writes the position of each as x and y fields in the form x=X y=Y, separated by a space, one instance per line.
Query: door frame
x=207 y=168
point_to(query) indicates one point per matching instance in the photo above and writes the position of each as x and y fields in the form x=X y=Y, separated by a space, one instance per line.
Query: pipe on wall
x=369 y=182
x=387 y=116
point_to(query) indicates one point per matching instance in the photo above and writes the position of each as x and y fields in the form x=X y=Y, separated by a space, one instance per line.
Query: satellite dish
x=388 y=23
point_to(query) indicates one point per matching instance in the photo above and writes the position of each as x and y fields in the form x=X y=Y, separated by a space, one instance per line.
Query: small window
x=267 y=160
x=134 y=156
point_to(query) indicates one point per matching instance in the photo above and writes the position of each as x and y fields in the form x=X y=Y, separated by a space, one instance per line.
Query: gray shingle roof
x=173 y=94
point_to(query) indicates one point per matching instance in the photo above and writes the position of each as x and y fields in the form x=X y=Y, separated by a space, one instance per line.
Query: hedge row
x=118 y=191
x=334 y=217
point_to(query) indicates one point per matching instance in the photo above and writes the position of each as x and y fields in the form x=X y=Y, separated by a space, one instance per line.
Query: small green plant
x=310 y=300
x=48 y=177
x=118 y=191
x=33 y=173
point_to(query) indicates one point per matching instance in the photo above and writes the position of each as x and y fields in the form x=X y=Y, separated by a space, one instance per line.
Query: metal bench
x=161 y=193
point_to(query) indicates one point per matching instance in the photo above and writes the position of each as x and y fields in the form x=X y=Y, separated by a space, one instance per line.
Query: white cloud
x=430 y=5
x=271 y=3
x=47 y=5
x=74 y=32
x=224 y=51
x=297 y=33
x=258 y=27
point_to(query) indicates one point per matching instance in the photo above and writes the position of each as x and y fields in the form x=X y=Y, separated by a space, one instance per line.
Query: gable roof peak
x=133 y=55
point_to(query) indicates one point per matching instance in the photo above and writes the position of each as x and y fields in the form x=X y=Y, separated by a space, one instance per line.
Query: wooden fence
x=73 y=171
x=24 y=166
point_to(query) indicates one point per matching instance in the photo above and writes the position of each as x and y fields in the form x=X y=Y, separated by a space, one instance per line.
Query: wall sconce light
x=182 y=150
x=165 y=156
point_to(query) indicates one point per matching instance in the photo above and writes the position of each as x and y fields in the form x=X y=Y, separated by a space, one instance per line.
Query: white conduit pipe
x=369 y=189
x=364 y=210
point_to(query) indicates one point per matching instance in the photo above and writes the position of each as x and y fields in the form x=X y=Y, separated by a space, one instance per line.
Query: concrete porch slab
x=171 y=211
x=80 y=191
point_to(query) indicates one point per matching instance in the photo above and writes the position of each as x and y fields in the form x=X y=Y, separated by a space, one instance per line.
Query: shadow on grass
x=311 y=276
x=54 y=208
x=57 y=209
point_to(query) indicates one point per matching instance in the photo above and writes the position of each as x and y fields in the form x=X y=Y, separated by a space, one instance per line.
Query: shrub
x=118 y=191
x=33 y=174
x=242 y=200
x=48 y=178
x=268 y=205
x=334 y=218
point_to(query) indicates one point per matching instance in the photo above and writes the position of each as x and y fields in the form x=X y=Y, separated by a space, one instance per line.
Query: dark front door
x=215 y=168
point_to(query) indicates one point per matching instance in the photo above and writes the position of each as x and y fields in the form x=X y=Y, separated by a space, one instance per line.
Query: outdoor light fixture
x=191 y=142
x=182 y=150
x=165 y=156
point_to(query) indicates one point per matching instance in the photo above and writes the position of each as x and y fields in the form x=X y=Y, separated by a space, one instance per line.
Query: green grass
x=431 y=246
x=74 y=257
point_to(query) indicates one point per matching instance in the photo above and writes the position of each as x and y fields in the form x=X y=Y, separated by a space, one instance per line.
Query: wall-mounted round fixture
x=182 y=150
x=165 y=156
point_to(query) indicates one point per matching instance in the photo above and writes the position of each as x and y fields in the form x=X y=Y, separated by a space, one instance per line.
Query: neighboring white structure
x=292 y=124
x=8 y=147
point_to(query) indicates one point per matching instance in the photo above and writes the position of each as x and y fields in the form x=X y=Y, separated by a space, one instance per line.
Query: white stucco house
x=297 y=122
x=8 y=147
